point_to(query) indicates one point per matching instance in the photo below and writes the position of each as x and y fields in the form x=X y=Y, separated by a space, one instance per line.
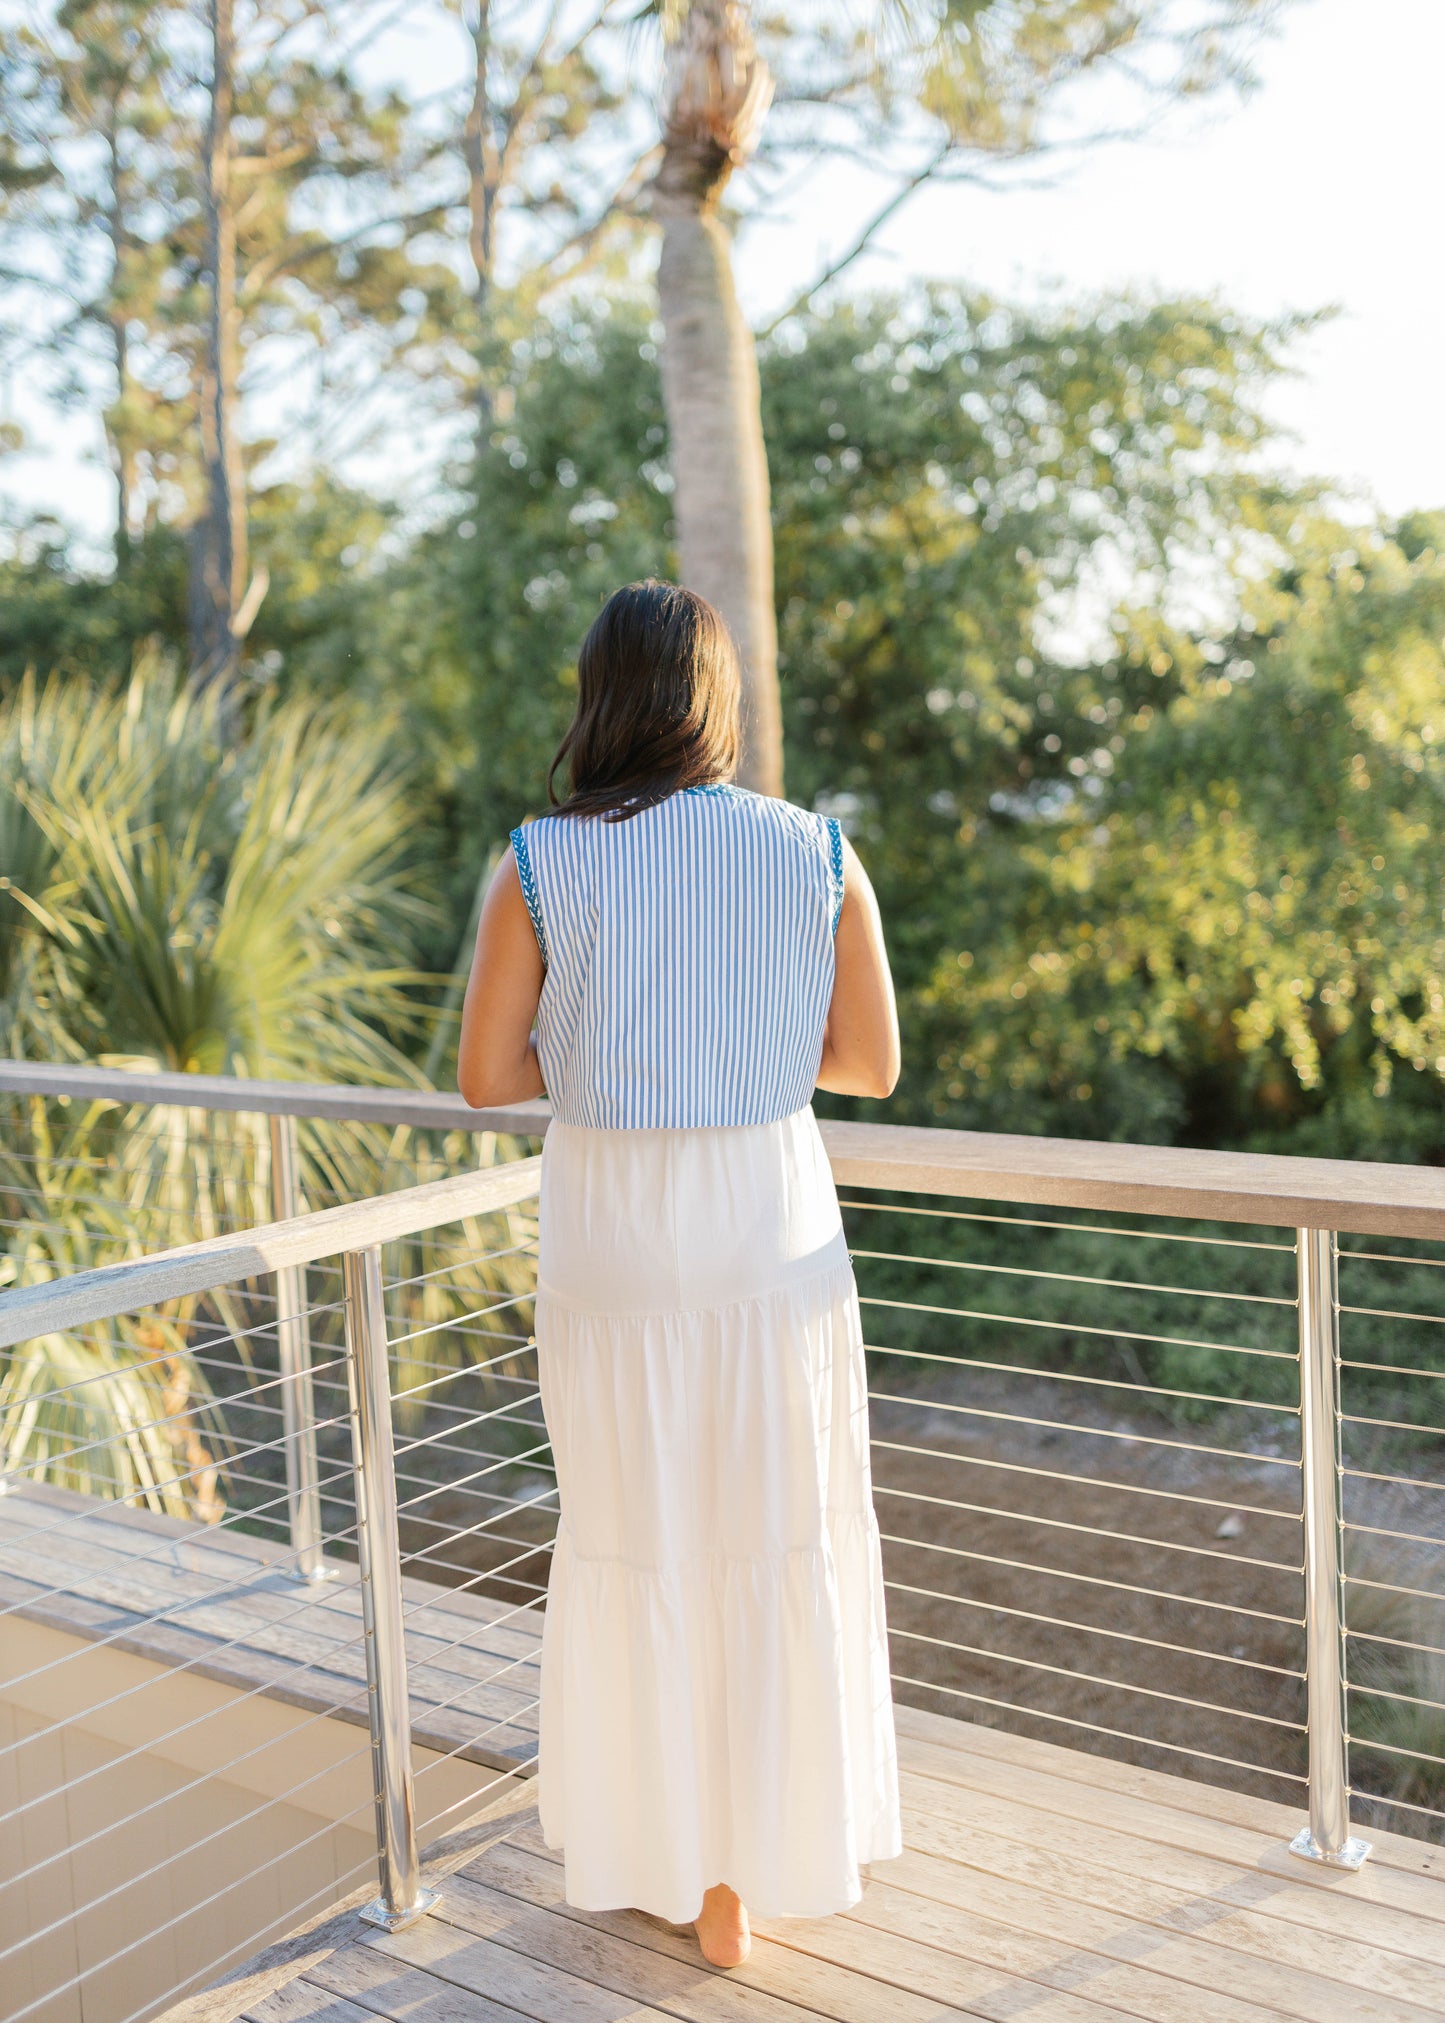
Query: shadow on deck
x=1036 y=1881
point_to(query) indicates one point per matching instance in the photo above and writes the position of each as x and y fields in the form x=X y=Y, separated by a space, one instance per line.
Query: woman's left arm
x=860 y=1046
x=496 y=1061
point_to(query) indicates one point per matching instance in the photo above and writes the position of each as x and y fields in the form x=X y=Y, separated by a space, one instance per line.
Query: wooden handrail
x=1356 y=1197
x=134 y=1283
x=423 y=1109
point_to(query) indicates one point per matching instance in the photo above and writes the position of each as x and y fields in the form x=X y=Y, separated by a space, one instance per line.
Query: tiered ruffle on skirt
x=715 y=1694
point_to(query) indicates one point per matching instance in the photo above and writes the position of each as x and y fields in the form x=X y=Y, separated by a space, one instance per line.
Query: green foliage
x=321 y=545
x=477 y=628
x=198 y=900
x=59 y=617
x=175 y=896
x=181 y=894
x=342 y=277
x=92 y=103
x=944 y=478
x=118 y=1409
x=1114 y=909
x=175 y=1408
x=989 y=72
x=1236 y=896
x=943 y=471
x=1110 y=848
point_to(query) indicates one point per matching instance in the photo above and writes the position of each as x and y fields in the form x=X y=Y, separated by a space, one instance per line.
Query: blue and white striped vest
x=689 y=954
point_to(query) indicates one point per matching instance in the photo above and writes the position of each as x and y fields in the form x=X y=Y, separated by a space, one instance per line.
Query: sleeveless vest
x=689 y=954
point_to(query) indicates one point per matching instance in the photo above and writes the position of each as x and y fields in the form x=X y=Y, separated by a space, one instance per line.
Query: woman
x=716 y=1720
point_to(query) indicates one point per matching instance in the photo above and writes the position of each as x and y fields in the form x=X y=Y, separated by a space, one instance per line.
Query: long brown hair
x=657 y=703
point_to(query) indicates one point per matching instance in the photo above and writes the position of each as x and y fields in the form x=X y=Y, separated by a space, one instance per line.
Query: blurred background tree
x=925 y=91
x=89 y=198
x=989 y=526
x=1232 y=925
x=186 y=218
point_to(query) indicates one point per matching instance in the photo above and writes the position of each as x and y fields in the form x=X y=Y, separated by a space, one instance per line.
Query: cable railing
x=1085 y=1539
x=1157 y=1461
x=267 y=1526
x=1392 y=1494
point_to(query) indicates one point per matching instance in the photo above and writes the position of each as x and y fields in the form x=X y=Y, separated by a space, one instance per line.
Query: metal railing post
x=403 y=1898
x=1327 y=1838
x=293 y=1345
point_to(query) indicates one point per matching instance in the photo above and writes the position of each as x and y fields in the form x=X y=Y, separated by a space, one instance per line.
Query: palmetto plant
x=120 y=1409
x=175 y=896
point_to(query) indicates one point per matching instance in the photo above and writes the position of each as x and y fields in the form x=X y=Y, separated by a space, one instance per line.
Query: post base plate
x=1351 y=1855
x=376 y=1912
x=315 y=1577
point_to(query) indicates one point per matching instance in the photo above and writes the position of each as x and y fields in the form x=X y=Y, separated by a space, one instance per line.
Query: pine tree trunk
x=117 y=420
x=219 y=541
x=719 y=91
x=483 y=176
x=120 y=448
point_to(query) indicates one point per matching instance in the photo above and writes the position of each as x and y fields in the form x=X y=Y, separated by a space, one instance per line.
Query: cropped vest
x=689 y=958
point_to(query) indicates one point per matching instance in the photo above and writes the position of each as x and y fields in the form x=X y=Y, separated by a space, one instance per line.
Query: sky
x=1317 y=192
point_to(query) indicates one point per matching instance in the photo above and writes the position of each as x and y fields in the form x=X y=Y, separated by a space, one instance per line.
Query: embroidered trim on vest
x=835 y=866
x=529 y=890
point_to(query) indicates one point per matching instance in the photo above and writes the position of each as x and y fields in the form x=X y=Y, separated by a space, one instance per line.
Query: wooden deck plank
x=1276 y=1965
x=530 y=1983
x=219 y=1604
x=1403 y=1911
x=204 y=1571
x=666 y=1969
x=907 y=1964
x=1414 y=1974
x=922 y=1893
x=981 y=1917
x=305 y=2002
x=507 y=1743
x=383 y=1986
x=184 y=1561
x=1193 y=1965
x=1037 y=1880
x=1156 y=1862
x=1082 y=1982
x=1181 y=1794
x=433 y=2002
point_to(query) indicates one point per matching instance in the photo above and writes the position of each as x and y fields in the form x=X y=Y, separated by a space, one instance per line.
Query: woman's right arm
x=860 y=1046
x=496 y=1061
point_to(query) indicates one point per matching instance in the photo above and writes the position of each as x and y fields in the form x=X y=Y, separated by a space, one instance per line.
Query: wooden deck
x=220 y=1604
x=1037 y=1882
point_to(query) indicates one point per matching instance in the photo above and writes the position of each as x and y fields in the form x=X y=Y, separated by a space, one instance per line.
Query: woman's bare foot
x=722 y=1927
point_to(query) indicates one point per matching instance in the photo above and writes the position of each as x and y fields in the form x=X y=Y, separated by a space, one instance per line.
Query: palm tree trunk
x=219 y=551
x=718 y=94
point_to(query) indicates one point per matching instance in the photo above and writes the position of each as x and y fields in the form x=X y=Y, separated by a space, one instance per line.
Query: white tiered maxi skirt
x=715 y=1697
